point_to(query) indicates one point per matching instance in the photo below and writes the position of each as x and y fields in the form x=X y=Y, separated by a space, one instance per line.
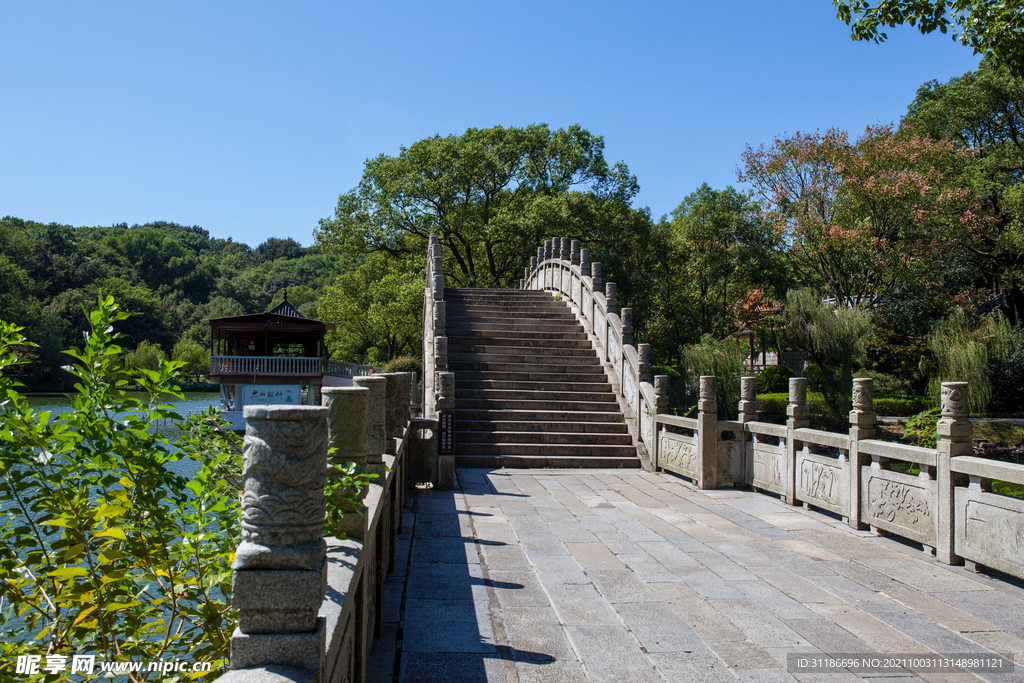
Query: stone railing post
x=626 y=316
x=445 y=416
x=574 y=252
x=748 y=399
x=439 y=318
x=347 y=427
x=441 y=353
x=862 y=426
x=609 y=295
x=280 y=569
x=797 y=414
x=954 y=439
x=661 y=394
x=547 y=249
x=595 y=275
x=585 y=262
x=566 y=248
x=390 y=403
x=376 y=421
x=707 y=434
x=643 y=354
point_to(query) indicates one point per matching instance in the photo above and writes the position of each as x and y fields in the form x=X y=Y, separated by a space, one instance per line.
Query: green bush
x=774 y=379
x=901 y=406
x=676 y=387
x=774 y=403
x=813 y=374
x=405 y=364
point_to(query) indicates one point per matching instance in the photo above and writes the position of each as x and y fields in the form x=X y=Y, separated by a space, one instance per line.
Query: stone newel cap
x=280 y=412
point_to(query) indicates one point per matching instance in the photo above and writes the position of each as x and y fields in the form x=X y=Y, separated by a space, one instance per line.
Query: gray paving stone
x=612 y=656
x=827 y=636
x=690 y=667
x=759 y=625
x=542 y=544
x=698 y=614
x=445 y=549
x=572 y=532
x=504 y=557
x=765 y=676
x=847 y=545
x=788 y=582
x=391 y=611
x=557 y=516
x=927 y=633
x=433 y=524
x=447 y=626
x=648 y=569
x=517 y=507
x=685 y=542
x=559 y=569
x=495 y=532
x=596 y=522
x=581 y=605
x=618 y=542
x=743 y=555
x=554 y=672
x=657 y=628
x=676 y=560
x=867 y=577
x=774 y=600
x=539 y=643
x=518 y=589
x=995 y=607
x=621 y=585
x=546 y=503
x=444 y=667
x=594 y=556
x=743 y=655
x=524 y=617
x=443 y=581
x=712 y=586
x=638 y=532
x=527 y=524
x=785 y=556
x=724 y=567
x=441 y=502
x=381 y=666
x=856 y=594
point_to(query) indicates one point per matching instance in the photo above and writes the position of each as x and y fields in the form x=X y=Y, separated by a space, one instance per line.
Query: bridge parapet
x=939 y=497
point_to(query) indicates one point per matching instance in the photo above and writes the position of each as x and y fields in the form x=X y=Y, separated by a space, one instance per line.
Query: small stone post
x=643 y=353
x=390 y=403
x=440 y=308
x=347 y=426
x=437 y=286
x=566 y=247
x=533 y=264
x=626 y=315
x=375 y=433
x=280 y=568
x=954 y=439
x=445 y=404
x=609 y=295
x=547 y=249
x=585 y=262
x=441 y=353
x=798 y=413
x=862 y=426
x=595 y=275
x=660 y=406
x=747 y=413
x=438 y=265
x=574 y=252
x=707 y=435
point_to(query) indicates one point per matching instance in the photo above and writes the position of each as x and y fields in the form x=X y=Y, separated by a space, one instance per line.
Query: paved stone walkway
x=614 y=575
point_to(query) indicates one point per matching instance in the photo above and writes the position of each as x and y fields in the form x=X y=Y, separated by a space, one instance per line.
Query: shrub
x=722 y=359
x=924 y=427
x=813 y=374
x=901 y=406
x=676 y=387
x=405 y=364
x=774 y=379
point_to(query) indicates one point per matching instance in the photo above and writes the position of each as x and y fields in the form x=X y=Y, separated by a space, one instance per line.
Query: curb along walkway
x=610 y=575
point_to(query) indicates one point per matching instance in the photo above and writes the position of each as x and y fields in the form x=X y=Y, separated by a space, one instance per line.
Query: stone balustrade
x=309 y=599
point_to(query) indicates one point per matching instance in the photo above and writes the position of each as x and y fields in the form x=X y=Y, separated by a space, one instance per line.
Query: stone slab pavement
x=526 y=576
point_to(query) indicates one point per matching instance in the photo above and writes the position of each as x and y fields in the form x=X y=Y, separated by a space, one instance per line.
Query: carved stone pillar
x=445 y=404
x=376 y=422
x=390 y=402
x=347 y=427
x=797 y=414
x=609 y=295
x=661 y=393
x=574 y=252
x=643 y=353
x=595 y=275
x=441 y=353
x=748 y=399
x=954 y=440
x=707 y=434
x=585 y=262
x=626 y=315
x=280 y=571
x=547 y=249
x=862 y=426
x=439 y=313
x=437 y=287
x=566 y=247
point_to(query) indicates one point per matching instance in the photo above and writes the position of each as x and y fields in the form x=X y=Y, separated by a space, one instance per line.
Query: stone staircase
x=529 y=389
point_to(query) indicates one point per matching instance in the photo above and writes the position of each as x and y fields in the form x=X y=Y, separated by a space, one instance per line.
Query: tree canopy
x=994 y=28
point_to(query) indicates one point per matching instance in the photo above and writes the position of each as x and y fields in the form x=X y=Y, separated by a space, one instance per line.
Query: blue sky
x=249 y=119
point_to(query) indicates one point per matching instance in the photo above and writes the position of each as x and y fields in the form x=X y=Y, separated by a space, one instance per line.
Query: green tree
x=832 y=338
x=994 y=28
x=194 y=358
x=491 y=195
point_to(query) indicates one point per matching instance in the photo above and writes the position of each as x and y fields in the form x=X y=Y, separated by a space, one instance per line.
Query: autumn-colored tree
x=860 y=219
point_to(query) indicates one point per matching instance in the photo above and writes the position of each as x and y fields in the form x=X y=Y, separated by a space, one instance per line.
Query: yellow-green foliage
x=962 y=350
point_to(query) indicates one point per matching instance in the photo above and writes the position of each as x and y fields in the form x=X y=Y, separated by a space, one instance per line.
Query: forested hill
x=169 y=276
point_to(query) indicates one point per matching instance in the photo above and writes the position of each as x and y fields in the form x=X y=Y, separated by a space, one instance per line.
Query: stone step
x=479 y=414
x=452 y=325
x=537 y=426
x=465 y=333
x=545 y=461
x=535 y=395
x=486 y=291
x=481 y=350
x=496 y=361
x=466 y=436
x=578 y=375
x=477 y=384
x=472 y=343
x=556 y=449
x=525 y=404
x=473 y=364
